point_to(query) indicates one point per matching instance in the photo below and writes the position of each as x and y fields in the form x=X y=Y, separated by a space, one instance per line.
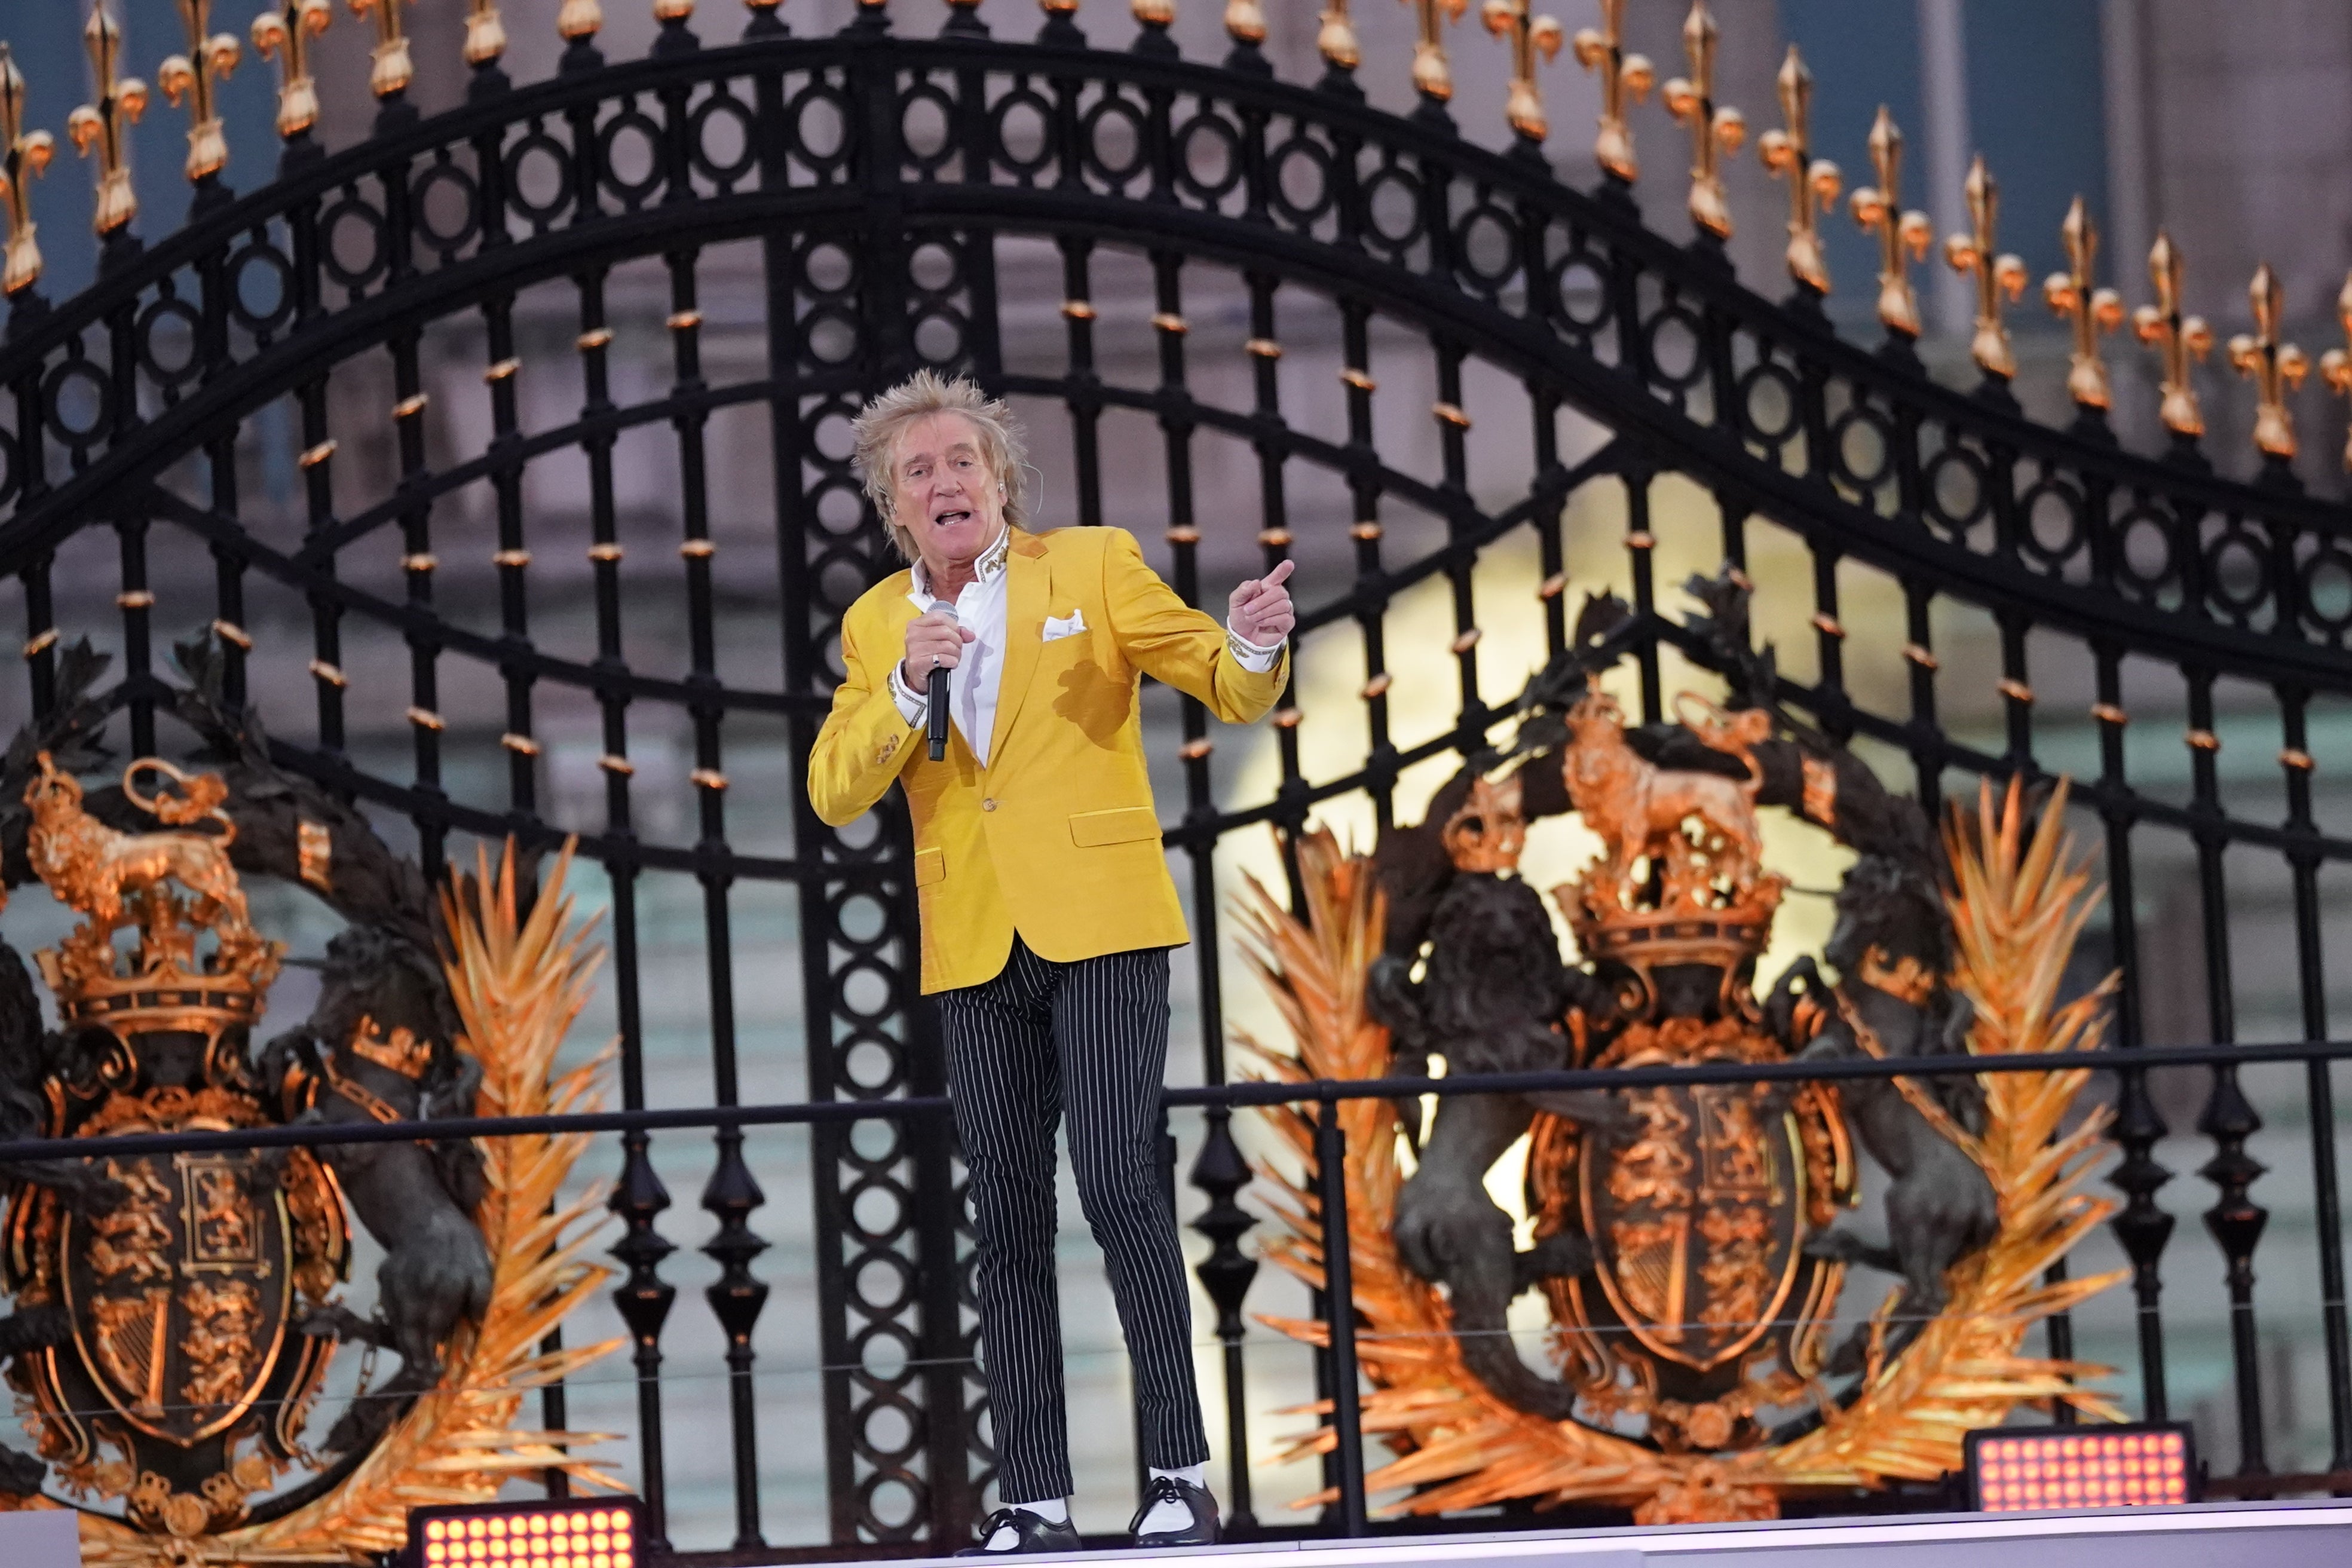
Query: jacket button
x=987 y=804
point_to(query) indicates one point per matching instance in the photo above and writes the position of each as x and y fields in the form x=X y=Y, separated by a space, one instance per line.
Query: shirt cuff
x=1250 y=656
x=911 y=708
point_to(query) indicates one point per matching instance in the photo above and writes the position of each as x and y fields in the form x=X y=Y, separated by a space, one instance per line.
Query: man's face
x=944 y=494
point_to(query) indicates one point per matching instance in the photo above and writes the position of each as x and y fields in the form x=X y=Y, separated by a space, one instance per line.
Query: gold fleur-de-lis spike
x=393 y=71
x=1788 y=153
x=1335 y=38
x=23 y=156
x=284 y=34
x=486 y=33
x=1602 y=50
x=1715 y=132
x=2174 y=336
x=1995 y=274
x=2090 y=310
x=211 y=56
x=121 y=99
x=577 y=21
x=1879 y=209
x=2335 y=364
x=2275 y=367
x=1432 y=75
x=1532 y=38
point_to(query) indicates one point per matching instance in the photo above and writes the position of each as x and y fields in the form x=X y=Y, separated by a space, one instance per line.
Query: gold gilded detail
x=400 y=1050
x=1432 y=77
x=2335 y=364
x=2088 y=310
x=1532 y=38
x=1335 y=36
x=105 y=124
x=314 y=853
x=1602 y=50
x=2174 y=336
x=1814 y=183
x=1489 y=828
x=1879 y=210
x=211 y=57
x=1995 y=275
x=1245 y=20
x=2275 y=367
x=486 y=33
x=284 y=33
x=23 y=155
x=1717 y=132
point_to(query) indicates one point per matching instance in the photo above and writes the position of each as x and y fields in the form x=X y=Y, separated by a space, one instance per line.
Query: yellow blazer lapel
x=1028 y=589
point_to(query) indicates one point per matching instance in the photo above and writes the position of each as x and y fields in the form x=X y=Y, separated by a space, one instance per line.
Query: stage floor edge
x=2299 y=1534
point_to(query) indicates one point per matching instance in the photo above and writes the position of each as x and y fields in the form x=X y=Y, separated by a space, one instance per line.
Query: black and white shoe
x=1012 y=1530
x=1200 y=1531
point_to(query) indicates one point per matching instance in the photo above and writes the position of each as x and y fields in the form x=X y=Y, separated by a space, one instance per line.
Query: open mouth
x=949 y=519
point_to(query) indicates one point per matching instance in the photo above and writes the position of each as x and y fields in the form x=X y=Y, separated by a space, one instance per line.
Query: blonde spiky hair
x=880 y=424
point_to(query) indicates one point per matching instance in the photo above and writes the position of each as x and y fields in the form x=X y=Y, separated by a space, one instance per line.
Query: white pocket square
x=1069 y=626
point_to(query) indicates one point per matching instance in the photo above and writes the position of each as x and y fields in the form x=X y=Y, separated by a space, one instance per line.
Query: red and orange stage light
x=2013 y=1469
x=588 y=1532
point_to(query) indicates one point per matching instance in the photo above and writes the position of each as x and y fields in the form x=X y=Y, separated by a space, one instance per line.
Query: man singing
x=1048 y=909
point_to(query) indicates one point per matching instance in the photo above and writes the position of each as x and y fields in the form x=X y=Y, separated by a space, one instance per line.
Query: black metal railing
x=872 y=192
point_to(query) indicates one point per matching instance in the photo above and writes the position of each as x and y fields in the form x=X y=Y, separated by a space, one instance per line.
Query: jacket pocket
x=1093 y=829
x=930 y=866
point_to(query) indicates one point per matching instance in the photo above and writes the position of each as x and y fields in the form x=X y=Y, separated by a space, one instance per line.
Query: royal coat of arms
x=1691 y=1241
x=176 y=1314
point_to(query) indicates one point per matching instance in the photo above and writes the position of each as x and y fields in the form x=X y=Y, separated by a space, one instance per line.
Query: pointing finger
x=1279 y=576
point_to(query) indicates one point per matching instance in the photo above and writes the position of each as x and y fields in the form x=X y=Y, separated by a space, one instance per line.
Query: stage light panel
x=585 y=1533
x=2013 y=1469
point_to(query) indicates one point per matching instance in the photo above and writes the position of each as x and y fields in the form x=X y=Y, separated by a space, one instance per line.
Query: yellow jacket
x=1057 y=837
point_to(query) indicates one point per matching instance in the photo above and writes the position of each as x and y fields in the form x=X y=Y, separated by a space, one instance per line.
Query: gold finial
x=1337 y=39
x=2163 y=327
x=23 y=154
x=577 y=21
x=190 y=76
x=1880 y=207
x=393 y=71
x=1788 y=153
x=2090 y=310
x=683 y=10
x=284 y=34
x=1996 y=274
x=486 y=33
x=1245 y=21
x=1716 y=133
x=1431 y=75
x=2275 y=367
x=1154 y=13
x=120 y=99
x=1531 y=38
x=2335 y=364
x=1602 y=50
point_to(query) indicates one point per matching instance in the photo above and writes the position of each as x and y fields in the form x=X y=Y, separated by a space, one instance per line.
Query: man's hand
x=934 y=641
x=1260 y=610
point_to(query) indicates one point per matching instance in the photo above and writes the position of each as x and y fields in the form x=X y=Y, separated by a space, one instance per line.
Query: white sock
x=1170 y=1516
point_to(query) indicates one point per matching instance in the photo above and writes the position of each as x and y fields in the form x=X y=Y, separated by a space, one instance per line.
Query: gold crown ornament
x=117 y=879
x=1682 y=879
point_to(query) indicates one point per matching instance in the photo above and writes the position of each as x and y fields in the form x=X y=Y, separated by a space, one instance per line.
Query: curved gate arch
x=878 y=178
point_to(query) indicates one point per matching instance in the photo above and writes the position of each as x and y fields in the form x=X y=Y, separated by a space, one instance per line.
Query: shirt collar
x=987 y=569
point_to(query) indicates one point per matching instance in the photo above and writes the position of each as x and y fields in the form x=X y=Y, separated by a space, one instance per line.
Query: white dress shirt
x=973 y=683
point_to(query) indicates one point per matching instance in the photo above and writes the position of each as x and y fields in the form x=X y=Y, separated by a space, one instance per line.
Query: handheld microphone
x=936 y=709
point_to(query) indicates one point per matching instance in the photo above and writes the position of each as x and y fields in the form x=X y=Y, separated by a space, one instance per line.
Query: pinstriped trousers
x=1090 y=1037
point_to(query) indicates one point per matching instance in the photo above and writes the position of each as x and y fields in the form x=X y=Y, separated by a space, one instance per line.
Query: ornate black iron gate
x=879 y=174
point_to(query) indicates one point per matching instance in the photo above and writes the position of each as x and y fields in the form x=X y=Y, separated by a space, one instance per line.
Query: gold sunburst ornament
x=2018 y=899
